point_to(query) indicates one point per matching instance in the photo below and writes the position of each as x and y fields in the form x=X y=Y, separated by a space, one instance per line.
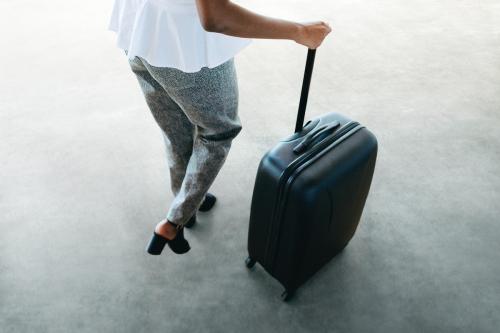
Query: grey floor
x=84 y=179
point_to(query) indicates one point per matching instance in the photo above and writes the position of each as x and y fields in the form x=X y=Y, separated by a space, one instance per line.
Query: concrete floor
x=84 y=179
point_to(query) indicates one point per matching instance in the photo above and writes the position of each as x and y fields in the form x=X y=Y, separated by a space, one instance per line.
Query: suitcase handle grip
x=316 y=136
x=311 y=53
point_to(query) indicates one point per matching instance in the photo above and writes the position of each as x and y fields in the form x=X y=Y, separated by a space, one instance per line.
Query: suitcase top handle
x=311 y=53
x=316 y=136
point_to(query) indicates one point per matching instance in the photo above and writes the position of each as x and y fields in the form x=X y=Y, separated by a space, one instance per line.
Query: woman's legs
x=209 y=101
x=176 y=128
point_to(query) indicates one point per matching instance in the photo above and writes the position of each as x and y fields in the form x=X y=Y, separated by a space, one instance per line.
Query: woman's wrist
x=299 y=32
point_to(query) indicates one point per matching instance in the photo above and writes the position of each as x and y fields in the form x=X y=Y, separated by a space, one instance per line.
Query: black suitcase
x=309 y=194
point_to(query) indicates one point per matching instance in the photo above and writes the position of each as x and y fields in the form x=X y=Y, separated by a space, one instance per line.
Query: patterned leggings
x=198 y=116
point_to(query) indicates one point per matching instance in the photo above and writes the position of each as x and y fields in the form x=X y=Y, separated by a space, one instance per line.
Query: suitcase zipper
x=287 y=177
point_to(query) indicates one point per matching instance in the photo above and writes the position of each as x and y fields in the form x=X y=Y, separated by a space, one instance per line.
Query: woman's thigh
x=208 y=97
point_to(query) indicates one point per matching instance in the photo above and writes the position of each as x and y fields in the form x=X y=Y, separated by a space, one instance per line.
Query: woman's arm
x=228 y=18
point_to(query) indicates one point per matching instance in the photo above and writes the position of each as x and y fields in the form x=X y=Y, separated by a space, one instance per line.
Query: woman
x=181 y=52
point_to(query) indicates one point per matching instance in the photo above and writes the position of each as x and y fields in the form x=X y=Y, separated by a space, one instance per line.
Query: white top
x=168 y=33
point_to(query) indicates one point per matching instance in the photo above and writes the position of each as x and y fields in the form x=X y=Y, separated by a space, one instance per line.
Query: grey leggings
x=198 y=116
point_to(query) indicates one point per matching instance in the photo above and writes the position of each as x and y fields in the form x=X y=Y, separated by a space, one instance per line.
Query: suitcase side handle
x=315 y=137
x=311 y=53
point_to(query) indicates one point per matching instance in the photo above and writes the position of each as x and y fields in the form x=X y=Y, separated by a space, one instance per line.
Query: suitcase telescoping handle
x=311 y=53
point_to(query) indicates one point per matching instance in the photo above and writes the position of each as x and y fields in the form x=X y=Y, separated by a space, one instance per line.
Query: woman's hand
x=312 y=34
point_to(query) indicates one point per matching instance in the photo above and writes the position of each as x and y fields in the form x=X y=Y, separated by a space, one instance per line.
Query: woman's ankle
x=166 y=229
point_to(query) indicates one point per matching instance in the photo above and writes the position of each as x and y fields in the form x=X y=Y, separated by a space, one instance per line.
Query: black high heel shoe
x=208 y=203
x=178 y=244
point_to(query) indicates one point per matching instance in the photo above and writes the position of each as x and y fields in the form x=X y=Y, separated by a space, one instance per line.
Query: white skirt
x=168 y=33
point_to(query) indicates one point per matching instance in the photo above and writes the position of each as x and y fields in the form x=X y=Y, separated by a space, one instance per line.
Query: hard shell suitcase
x=309 y=194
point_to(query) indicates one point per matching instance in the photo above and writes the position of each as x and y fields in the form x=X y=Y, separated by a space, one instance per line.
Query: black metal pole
x=305 y=89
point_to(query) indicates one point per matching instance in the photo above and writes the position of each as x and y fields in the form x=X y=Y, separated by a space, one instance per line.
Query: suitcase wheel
x=287 y=295
x=249 y=262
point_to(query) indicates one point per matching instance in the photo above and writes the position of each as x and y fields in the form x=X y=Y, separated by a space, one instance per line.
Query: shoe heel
x=156 y=244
